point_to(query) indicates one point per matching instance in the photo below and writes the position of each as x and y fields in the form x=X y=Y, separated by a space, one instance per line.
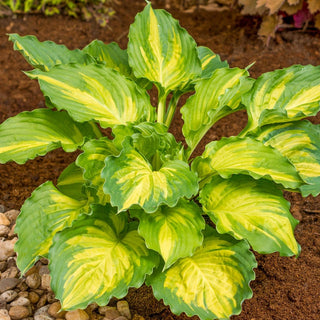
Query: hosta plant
x=137 y=206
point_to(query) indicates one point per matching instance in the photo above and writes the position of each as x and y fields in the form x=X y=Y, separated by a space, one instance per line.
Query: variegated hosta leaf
x=248 y=156
x=251 y=209
x=209 y=62
x=173 y=232
x=214 y=98
x=131 y=180
x=47 y=54
x=71 y=182
x=161 y=51
x=300 y=143
x=34 y=133
x=283 y=96
x=101 y=256
x=95 y=92
x=110 y=54
x=92 y=162
x=42 y=215
x=212 y=283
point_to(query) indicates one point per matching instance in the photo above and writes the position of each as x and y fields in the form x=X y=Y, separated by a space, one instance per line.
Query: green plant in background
x=131 y=209
x=87 y=9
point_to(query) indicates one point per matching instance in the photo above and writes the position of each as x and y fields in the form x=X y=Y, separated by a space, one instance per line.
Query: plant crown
x=137 y=208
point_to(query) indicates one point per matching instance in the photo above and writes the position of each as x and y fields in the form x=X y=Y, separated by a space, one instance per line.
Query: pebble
x=43 y=317
x=137 y=317
x=4 y=314
x=12 y=215
x=3 y=266
x=42 y=301
x=21 y=301
x=2 y=208
x=54 y=310
x=18 y=312
x=11 y=272
x=33 y=297
x=42 y=311
x=123 y=308
x=7 y=248
x=8 y=284
x=4 y=230
x=8 y=295
x=111 y=314
x=77 y=315
x=45 y=282
x=33 y=280
x=4 y=220
x=121 y=318
x=44 y=270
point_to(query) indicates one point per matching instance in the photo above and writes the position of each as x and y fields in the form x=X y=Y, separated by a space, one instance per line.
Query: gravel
x=29 y=297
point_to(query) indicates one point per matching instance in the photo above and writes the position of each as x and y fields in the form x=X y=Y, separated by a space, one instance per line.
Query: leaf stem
x=161 y=107
x=172 y=108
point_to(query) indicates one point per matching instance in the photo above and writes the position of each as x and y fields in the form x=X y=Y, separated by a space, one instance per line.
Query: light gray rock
x=7 y=249
x=21 y=301
x=33 y=280
x=8 y=295
x=11 y=272
x=4 y=314
x=8 y=284
x=4 y=230
x=45 y=282
x=42 y=311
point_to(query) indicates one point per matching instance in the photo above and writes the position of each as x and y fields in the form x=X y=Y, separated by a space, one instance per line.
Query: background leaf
x=47 y=54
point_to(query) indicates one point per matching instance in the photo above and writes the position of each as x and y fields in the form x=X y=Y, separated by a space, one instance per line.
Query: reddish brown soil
x=285 y=288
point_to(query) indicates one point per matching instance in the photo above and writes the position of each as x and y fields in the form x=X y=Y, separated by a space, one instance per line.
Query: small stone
x=123 y=308
x=21 y=301
x=8 y=284
x=4 y=220
x=111 y=314
x=44 y=270
x=12 y=233
x=23 y=294
x=51 y=298
x=11 y=262
x=3 y=305
x=33 y=297
x=8 y=295
x=2 y=208
x=42 y=310
x=22 y=286
x=4 y=230
x=45 y=282
x=44 y=261
x=3 y=266
x=77 y=315
x=18 y=312
x=32 y=270
x=7 y=249
x=33 y=280
x=104 y=309
x=12 y=215
x=43 y=317
x=54 y=310
x=4 y=314
x=42 y=301
x=11 y=272
x=121 y=318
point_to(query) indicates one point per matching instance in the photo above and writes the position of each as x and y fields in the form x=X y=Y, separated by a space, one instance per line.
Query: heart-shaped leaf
x=173 y=232
x=251 y=209
x=212 y=283
x=100 y=257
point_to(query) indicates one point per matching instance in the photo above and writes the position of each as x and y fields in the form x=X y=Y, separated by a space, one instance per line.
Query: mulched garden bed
x=285 y=288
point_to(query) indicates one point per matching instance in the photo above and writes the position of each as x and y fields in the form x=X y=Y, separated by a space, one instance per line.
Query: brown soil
x=285 y=288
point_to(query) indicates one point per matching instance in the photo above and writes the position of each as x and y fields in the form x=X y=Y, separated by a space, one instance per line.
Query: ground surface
x=285 y=288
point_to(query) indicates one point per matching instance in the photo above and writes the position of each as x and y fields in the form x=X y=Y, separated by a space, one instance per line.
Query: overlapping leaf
x=248 y=156
x=101 y=256
x=131 y=180
x=226 y=87
x=283 y=96
x=42 y=215
x=110 y=54
x=173 y=232
x=212 y=283
x=47 y=54
x=161 y=51
x=300 y=143
x=92 y=161
x=95 y=92
x=251 y=209
x=71 y=182
x=209 y=62
x=34 y=133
